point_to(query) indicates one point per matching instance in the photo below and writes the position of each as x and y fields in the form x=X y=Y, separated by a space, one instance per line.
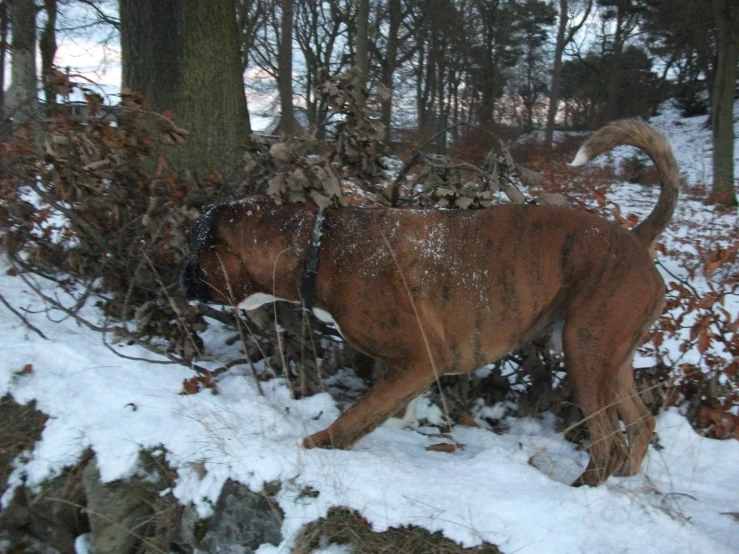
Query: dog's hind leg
x=636 y=417
x=398 y=386
x=592 y=361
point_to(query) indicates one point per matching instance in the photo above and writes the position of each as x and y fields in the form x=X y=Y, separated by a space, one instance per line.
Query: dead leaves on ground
x=200 y=382
x=445 y=447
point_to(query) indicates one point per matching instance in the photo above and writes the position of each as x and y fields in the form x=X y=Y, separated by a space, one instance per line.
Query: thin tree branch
x=22 y=318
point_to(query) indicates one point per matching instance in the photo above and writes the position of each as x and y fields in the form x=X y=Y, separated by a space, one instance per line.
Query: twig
x=174 y=307
x=123 y=333
x=683 y=282
x=218 y=315
x=92 y=233
x=257 y=384
x=394 y=191
x=139 y=265
x=22 y=318
x=419 y=157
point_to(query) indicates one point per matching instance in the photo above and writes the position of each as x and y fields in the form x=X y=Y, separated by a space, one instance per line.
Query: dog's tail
x=636 y=132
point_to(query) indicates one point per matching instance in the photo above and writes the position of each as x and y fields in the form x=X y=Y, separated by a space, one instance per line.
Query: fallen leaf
x=712 y=267
x=445 y=447
x=468 y=421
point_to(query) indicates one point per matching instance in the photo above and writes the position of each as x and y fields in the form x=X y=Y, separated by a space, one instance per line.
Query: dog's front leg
x=398 y=386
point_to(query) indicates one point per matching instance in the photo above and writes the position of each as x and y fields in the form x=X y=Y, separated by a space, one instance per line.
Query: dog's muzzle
x=195 y=288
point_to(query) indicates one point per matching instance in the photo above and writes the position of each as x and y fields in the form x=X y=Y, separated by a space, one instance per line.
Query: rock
x=242 y=521
x=551 y=199
x=119 y=512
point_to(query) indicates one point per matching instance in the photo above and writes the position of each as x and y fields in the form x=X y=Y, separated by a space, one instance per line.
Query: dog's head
x=214 y=271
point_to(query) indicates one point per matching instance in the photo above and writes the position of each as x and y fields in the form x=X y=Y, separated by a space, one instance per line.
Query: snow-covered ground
x=510 y=490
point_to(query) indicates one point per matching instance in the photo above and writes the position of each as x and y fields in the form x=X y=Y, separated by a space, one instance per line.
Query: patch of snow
x=83 y=544
x=507 y=489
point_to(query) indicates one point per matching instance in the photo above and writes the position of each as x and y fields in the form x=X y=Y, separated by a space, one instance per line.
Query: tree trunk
x=726 y=13
x=362 y=25
x=487 y=100
x=3 y=50
x=183 y=55
x=388 y=69
x=556 y=71
x=420 y=88
x=47 y=45
x=22 y=97
x=614 y=80
x=285 y=69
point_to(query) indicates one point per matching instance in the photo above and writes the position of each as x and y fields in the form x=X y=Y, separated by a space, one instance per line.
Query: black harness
x=310 y=269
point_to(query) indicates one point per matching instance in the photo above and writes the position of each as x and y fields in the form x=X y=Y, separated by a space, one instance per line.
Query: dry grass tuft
x=21 y=428
x=347 y=527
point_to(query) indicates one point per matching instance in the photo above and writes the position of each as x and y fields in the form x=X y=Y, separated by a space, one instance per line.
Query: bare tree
x=726 y=13
x=22 y=95
x=362 y=24
x=4 y=18
x=285 y=68
x=566 y=31
x=47 y=45
x=398 y=49
x=320 y=29
x=626 y=15
x=250 y=17
x=496 y=52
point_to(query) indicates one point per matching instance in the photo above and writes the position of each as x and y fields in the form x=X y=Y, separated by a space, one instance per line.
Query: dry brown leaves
x=359 y=137
x=445 y=447
x=286 y=172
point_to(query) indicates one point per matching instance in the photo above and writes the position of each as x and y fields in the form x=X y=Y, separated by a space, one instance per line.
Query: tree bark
x=285 y=69
x=388 y=69
x=3 y=50
x=614 y=80
x=564 y=37
x=362 y=26
x=47 y=45
x=726 y=13
x=183 y=55
x=22 y=96
x=556 y=71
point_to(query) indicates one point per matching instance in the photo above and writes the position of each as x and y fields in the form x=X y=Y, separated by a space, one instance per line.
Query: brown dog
x=433 y=292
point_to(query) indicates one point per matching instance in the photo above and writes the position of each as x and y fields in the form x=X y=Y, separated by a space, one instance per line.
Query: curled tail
x=636 y=132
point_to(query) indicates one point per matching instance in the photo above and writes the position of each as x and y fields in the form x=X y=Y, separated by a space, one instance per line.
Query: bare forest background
x=428 y=65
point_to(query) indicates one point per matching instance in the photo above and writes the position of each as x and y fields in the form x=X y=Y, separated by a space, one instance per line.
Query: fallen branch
x=20 y=316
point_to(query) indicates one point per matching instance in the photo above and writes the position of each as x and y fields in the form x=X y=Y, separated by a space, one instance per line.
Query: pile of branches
x=82 y=203
x=287 y=173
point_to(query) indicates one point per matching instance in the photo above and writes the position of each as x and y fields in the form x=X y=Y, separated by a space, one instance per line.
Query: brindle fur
x=482 y=283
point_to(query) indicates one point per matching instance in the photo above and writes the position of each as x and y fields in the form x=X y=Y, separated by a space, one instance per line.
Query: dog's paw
x=322 y=439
